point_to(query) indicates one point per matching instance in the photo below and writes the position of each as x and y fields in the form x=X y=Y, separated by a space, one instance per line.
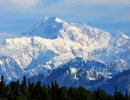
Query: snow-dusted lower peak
x=119 y=65
x=69 y=77
x=107 y=70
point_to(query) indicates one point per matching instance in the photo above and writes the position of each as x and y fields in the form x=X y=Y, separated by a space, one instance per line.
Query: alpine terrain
x=73 y=54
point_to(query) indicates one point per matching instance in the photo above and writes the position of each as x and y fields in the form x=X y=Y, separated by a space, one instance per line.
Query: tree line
x=16 y=90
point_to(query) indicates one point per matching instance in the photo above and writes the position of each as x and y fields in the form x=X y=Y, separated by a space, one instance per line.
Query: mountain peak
x=53 y=19
x=53 y=27
x=49 y=27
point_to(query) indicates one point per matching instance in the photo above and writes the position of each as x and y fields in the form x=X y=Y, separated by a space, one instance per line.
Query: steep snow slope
x=119 y=48
x=10 y=69
x=47 y=28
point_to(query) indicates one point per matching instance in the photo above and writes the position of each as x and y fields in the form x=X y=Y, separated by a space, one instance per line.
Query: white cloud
x=4 y=36
x=21 y=4
x=88 y=2
x=4 y=51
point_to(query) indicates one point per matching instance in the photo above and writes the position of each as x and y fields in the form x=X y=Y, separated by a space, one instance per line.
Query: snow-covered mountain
x=52 y=43
x=107 y=70
x=70 y=77
x=53 y=28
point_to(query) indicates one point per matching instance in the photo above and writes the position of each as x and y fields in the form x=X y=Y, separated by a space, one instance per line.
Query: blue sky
x=16 y=16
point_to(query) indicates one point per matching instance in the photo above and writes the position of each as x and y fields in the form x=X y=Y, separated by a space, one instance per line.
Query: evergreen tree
x=126 y=95
x=120 y=96
x=31 y=90
x=37 y=90
x=2 y=85
x=24 y=81
x=53 y=90
x=116 y=94
x=110 y=97
x=101 y=94
x=45 y=93
x=72 y=93
x=24 y=89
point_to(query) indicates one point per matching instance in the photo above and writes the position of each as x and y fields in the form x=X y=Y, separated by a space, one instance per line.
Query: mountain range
x=73 y=54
